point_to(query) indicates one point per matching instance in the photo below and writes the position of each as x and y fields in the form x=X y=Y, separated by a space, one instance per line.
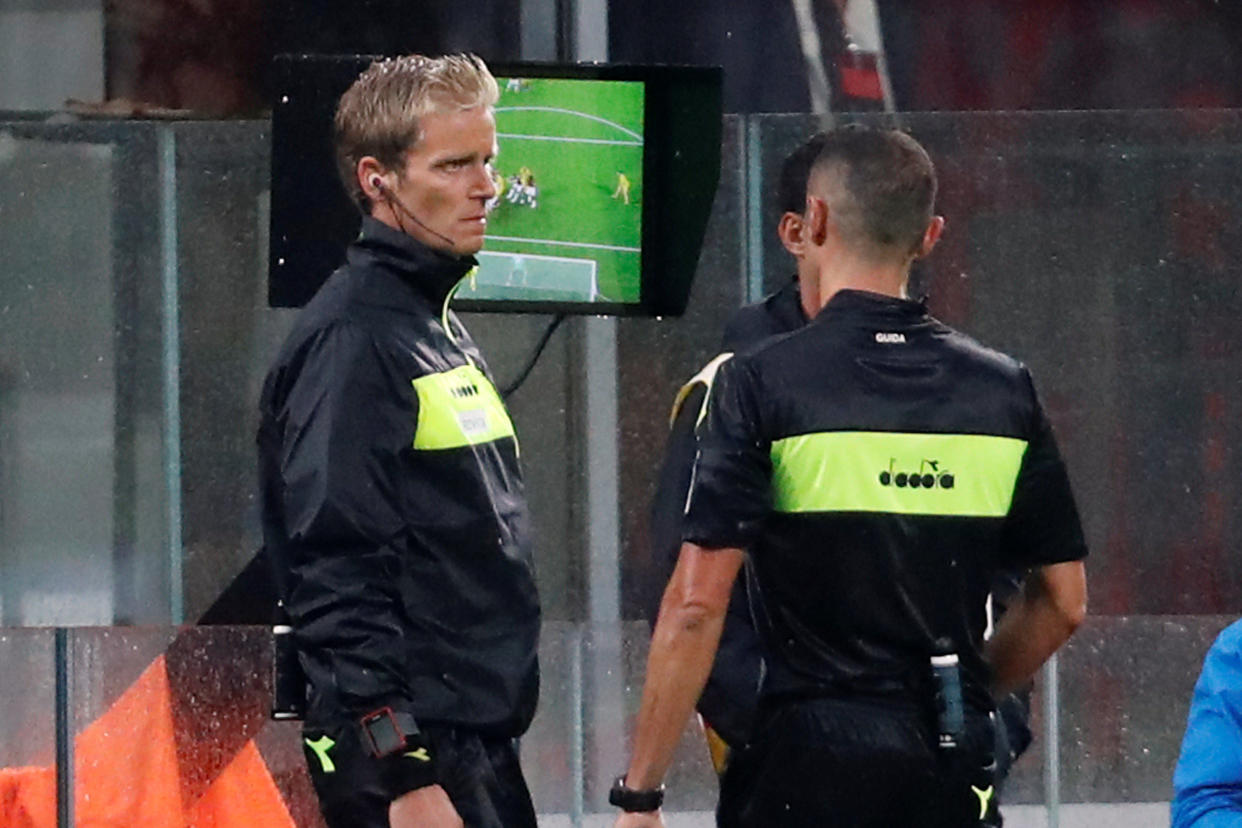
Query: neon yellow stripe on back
x=966 y=475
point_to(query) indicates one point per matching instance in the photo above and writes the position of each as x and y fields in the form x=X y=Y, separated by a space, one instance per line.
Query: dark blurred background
x=209 y=55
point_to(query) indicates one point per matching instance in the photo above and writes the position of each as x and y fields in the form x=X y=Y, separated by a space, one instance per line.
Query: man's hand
x=427 y=807
x=647 y=819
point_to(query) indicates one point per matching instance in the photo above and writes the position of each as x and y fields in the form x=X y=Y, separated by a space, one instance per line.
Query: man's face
x=446 y=182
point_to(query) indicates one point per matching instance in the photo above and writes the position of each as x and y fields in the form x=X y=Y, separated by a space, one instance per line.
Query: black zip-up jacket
x=879 y=467
x=393 y=507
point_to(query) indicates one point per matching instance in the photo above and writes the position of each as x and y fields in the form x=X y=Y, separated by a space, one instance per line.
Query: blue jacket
x=1207 y=784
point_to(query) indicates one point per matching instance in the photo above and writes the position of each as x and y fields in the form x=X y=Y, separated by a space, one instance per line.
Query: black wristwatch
x=632 y=801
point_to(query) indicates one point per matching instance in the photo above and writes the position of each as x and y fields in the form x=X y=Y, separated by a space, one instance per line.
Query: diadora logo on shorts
x=929 y=475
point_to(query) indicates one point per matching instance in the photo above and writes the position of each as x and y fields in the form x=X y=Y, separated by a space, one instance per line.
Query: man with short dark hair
x=877 y=467
x=393 y=506
x=730 y=698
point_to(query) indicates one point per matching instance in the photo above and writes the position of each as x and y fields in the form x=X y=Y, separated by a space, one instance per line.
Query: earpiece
x=395 y=203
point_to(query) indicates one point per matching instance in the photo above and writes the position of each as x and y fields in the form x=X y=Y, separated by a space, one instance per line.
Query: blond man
x=392 y=497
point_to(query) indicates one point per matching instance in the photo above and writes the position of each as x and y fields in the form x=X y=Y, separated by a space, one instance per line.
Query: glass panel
x=27 y=698
x=226 y=337
x=565 y=776
x=174 y=724
x=78 y=435
x=1126 y=687
x=28 y=726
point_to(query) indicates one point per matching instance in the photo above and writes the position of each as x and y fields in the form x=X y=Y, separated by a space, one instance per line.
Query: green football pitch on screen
x=566 y=224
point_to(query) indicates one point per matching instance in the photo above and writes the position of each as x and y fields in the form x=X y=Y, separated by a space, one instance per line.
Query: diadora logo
x=888 y=338
x=929 y=475
x=471 y=390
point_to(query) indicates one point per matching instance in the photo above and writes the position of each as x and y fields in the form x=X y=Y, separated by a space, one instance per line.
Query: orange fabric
x=27 y=798
x=125 y=762
x=243 y=795
x=127 y=775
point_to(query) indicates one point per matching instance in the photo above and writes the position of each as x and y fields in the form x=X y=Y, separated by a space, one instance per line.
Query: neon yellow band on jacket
x=459 y=408
x=964 y=475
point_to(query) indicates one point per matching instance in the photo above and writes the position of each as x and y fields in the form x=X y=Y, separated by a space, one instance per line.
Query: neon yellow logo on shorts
x=321 y=746
x=985 y=795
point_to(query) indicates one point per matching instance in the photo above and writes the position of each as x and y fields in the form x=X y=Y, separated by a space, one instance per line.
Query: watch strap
x=635 y=801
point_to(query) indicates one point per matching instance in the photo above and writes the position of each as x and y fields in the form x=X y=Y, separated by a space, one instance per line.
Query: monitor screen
x=566 y=222
x=604 y=179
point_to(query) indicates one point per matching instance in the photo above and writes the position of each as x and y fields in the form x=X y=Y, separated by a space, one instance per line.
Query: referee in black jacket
x=393 y=508
x=878 y=467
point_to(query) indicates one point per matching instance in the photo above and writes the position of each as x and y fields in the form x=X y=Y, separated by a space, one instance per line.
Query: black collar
x=431 y=273
x=863 y=301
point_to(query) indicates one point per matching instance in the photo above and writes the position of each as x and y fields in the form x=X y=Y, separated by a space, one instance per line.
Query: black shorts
x=481 y=776
x=853 y=764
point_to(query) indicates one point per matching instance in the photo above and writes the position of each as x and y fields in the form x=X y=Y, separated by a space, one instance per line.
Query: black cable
x=530 y=365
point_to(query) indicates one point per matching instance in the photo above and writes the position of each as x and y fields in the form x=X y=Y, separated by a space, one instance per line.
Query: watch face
x=382 y=732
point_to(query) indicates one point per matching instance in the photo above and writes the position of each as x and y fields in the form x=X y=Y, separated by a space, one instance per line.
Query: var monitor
x=604 y=180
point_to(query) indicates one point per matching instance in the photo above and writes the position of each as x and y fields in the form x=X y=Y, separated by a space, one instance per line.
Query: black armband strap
x=633 y=801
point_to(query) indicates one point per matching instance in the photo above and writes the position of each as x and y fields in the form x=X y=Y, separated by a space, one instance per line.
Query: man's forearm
x=683 y=648
x=1050 y=607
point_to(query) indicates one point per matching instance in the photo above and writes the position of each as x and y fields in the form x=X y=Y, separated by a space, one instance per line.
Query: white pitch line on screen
x=595 y=118
x=566 y=244
x=569 y=140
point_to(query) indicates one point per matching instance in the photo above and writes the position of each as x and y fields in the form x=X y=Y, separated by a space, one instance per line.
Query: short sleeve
x=730 y=488
x=1042 y=526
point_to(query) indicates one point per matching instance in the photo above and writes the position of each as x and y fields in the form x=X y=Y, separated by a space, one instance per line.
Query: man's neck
x=846 y=270
x=808 y=289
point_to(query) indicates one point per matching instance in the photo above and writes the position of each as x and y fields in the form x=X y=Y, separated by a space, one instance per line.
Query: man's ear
x=791 y=230
x=930 y=237
x=816 y=231
x=371 y=174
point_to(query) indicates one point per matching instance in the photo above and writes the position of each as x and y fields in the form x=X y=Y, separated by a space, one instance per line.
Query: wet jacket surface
x=879 y=467
x=392 y=498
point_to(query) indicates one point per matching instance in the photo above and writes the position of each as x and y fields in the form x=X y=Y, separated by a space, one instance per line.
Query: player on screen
x=522 y=189
x=623 y=188
x=530 y=192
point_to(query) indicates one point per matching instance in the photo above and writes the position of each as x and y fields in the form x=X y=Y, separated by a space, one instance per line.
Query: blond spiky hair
x=379 y=114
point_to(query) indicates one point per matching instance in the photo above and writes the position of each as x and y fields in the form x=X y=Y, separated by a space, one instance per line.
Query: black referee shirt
x=879 y=467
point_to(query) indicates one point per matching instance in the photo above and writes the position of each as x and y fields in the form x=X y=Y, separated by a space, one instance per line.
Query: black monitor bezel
x=681 y=165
